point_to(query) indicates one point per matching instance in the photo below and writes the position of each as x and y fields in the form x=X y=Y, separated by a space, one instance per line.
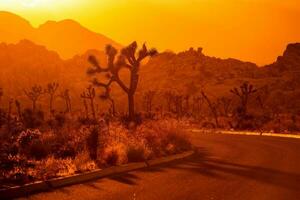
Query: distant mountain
x=68 y=38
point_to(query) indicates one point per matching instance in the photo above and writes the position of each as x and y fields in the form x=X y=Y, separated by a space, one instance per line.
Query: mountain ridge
x=55 y=35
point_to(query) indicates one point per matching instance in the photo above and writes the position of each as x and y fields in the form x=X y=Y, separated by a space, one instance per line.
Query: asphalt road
x=226 y=167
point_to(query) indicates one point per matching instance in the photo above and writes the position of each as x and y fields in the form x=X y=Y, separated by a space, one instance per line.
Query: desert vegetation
x=51 y=130
x=43 y=141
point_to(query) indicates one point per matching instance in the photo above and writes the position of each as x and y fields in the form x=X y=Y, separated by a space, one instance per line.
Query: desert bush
x=13 y=167
x=83 y=162
x=38 y=150
x=53 y=167
x=164 y=137
x=58 y=121
x=27 y=137
x=32 y=119
x=93 y=142
x=137 y=151
x=114 y=154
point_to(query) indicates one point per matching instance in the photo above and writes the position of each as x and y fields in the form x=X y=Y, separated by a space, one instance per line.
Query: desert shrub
x=58 y=121
x=176 y=140
x=93 y=142
x=164 y=137
x=83 y=162
x=39 y=150
x=27 y=137
x=14 y=169
x=86 y=121
x=32 y=119
x=137 y=152
x=127 y=122
x=114 y=154
x=53 y=167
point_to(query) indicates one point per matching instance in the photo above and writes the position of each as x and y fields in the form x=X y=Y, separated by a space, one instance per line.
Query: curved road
x=226 y=167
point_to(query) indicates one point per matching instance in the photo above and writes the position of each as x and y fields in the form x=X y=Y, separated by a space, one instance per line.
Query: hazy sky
x=252 y=30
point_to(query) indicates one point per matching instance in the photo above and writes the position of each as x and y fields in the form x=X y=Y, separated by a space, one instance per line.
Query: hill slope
x=68 y=38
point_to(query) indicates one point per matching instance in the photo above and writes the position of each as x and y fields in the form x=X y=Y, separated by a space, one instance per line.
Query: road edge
x=247 y=133
x=42 y=186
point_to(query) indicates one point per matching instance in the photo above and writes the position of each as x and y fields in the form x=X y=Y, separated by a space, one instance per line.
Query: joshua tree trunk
x=93 y=109
x=51 y=104
x=212 y=108
x=86 y=108
x=131 y=106
x=33 y=106
x=18 y=105
x=113 y=107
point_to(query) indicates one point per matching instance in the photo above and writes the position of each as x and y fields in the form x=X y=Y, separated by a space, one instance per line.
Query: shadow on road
x=201 y=163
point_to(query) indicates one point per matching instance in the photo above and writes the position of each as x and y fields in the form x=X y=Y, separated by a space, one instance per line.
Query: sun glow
x=31 y=3
x=35 y=4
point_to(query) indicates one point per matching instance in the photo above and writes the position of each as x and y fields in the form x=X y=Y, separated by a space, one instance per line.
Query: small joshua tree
x=51 y=90
x=148 y=100
x=213 y=108
x=130 y=59
x=225 y=104
x=18 y=106
x=90 y=94
x=65 y=95
x=34 y=95
x=169 y=96
x=244 y=93
x=197 y=105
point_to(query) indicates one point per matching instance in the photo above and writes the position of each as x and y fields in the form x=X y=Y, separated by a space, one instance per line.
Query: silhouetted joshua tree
x=225 y=105
x=51 y=90
x=34 y=94
x=130 y=59
x=244 y=93
x=148 y=100
x=19 y=110
x=90 y=95
x=213 y=108
x=169 y=95
x=65 y=95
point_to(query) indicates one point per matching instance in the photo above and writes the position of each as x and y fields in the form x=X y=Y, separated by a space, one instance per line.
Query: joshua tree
x=226 y=104
x=197 y=105
x=90 y=95
x=65 y=95
x=168 y=95
x=51 y=90
x=213 y=108
x=129 y=59
x=86 y=108
x=148 y=100
x=18 y=106
x=34 y=94
x=244 y=92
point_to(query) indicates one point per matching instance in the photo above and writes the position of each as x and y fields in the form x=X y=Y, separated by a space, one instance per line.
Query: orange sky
x=251 y=30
